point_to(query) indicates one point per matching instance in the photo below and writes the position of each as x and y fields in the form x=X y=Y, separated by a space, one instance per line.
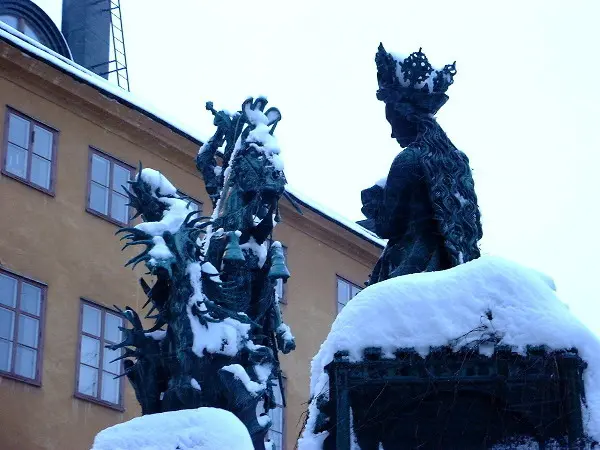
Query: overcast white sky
x=524 y=105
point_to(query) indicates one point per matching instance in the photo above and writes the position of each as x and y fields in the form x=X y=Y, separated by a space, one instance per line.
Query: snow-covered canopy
x=188 y=429
x=428 y=310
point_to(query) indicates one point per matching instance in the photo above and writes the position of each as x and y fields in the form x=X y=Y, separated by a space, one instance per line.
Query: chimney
x=86 y=27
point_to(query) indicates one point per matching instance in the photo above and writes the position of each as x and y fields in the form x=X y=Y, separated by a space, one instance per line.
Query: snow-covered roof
x=39 y=51
x=489 y=298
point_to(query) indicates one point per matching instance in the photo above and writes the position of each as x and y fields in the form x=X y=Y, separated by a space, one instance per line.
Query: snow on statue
x=427 y=310
x=217 y=323
x=398 y=353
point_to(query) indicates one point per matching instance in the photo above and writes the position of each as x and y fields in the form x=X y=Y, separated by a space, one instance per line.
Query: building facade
x=68 y=144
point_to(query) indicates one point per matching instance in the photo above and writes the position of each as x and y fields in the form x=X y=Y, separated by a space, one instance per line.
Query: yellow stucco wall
x=54 y=240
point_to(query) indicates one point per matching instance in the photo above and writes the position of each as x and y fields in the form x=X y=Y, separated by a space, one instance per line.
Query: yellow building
x=68 y=141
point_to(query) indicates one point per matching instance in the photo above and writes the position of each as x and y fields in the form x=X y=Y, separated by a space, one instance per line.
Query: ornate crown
x=413 y=79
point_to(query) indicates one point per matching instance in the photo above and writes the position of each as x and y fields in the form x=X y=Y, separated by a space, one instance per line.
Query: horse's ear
x=247 y=105
x=260 y=104
x=273 y=116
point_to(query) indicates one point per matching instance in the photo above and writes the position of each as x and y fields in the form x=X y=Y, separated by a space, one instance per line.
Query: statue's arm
x=397 y=194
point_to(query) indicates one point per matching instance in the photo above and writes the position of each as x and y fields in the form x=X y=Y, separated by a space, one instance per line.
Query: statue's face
x=260 y=181
x=403 y=130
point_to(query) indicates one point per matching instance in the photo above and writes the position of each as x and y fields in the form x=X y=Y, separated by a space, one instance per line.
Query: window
x=21 y=326
x=277 y=415
x=29 y=151
x=193 y=204
x=96 y=373
x=106 y=196
x=20 y=24
x=345 y=292
x=28 y=18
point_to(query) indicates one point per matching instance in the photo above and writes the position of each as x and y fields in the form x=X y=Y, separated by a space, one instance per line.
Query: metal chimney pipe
x=86 y=27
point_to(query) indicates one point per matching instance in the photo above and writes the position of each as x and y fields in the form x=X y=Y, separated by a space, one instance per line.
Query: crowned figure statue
x=426 y=207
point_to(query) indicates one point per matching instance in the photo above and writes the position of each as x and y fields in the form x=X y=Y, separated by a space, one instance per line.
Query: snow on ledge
x=432 y=309
x=189 y=429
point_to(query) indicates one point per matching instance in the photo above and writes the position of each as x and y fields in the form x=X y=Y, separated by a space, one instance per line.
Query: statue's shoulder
x=407 y=157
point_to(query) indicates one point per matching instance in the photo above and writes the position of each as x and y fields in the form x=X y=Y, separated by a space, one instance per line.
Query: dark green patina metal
x=427 y=208
x=160 y=362
x=453 y=398
x=456 y=400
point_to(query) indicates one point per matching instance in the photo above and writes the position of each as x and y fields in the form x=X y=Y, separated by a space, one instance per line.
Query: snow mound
x=434 y=309
x=174 y=215
x=191 y=429
x=158 y=182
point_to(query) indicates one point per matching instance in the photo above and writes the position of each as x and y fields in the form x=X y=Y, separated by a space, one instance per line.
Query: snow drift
x=191 y=429
x=433 y=309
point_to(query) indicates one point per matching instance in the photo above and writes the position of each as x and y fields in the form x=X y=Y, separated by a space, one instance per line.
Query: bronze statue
x=427 y=207
x=217 y=325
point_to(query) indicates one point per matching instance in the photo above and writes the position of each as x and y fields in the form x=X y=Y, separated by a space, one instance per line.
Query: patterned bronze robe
x=401 y=212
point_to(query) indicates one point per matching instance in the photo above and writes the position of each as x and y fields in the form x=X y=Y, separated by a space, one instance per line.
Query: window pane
x=111 y=328
x=11 y=21
x=42 y=142
x=340 y=306
x=354 y=291
x=277 y=393
x=16 y=160
x=28 y=331
x=193 y=205
x=100 y=169
x=25 y=362
x=31 y=298
x=8 y=290
x=28 y=31
x=88 y=381
x=343 y=291
x=5 y=355
x=114 y=367
x=18 y=131
x=120 y=177
x=90 y=351
x=91 y=320
x=40 y=171
x=277 y=439
x=7 y=323
x=118 y=208
x=110 y=388
x=99 y=198
x=276 y=419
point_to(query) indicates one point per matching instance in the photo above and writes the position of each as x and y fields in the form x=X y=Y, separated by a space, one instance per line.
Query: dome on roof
x=31 y=20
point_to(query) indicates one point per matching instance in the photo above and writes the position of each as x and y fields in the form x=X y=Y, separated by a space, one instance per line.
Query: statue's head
x=412 y=90
x=256 y=180
x=404 y=130
x=260 y=179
